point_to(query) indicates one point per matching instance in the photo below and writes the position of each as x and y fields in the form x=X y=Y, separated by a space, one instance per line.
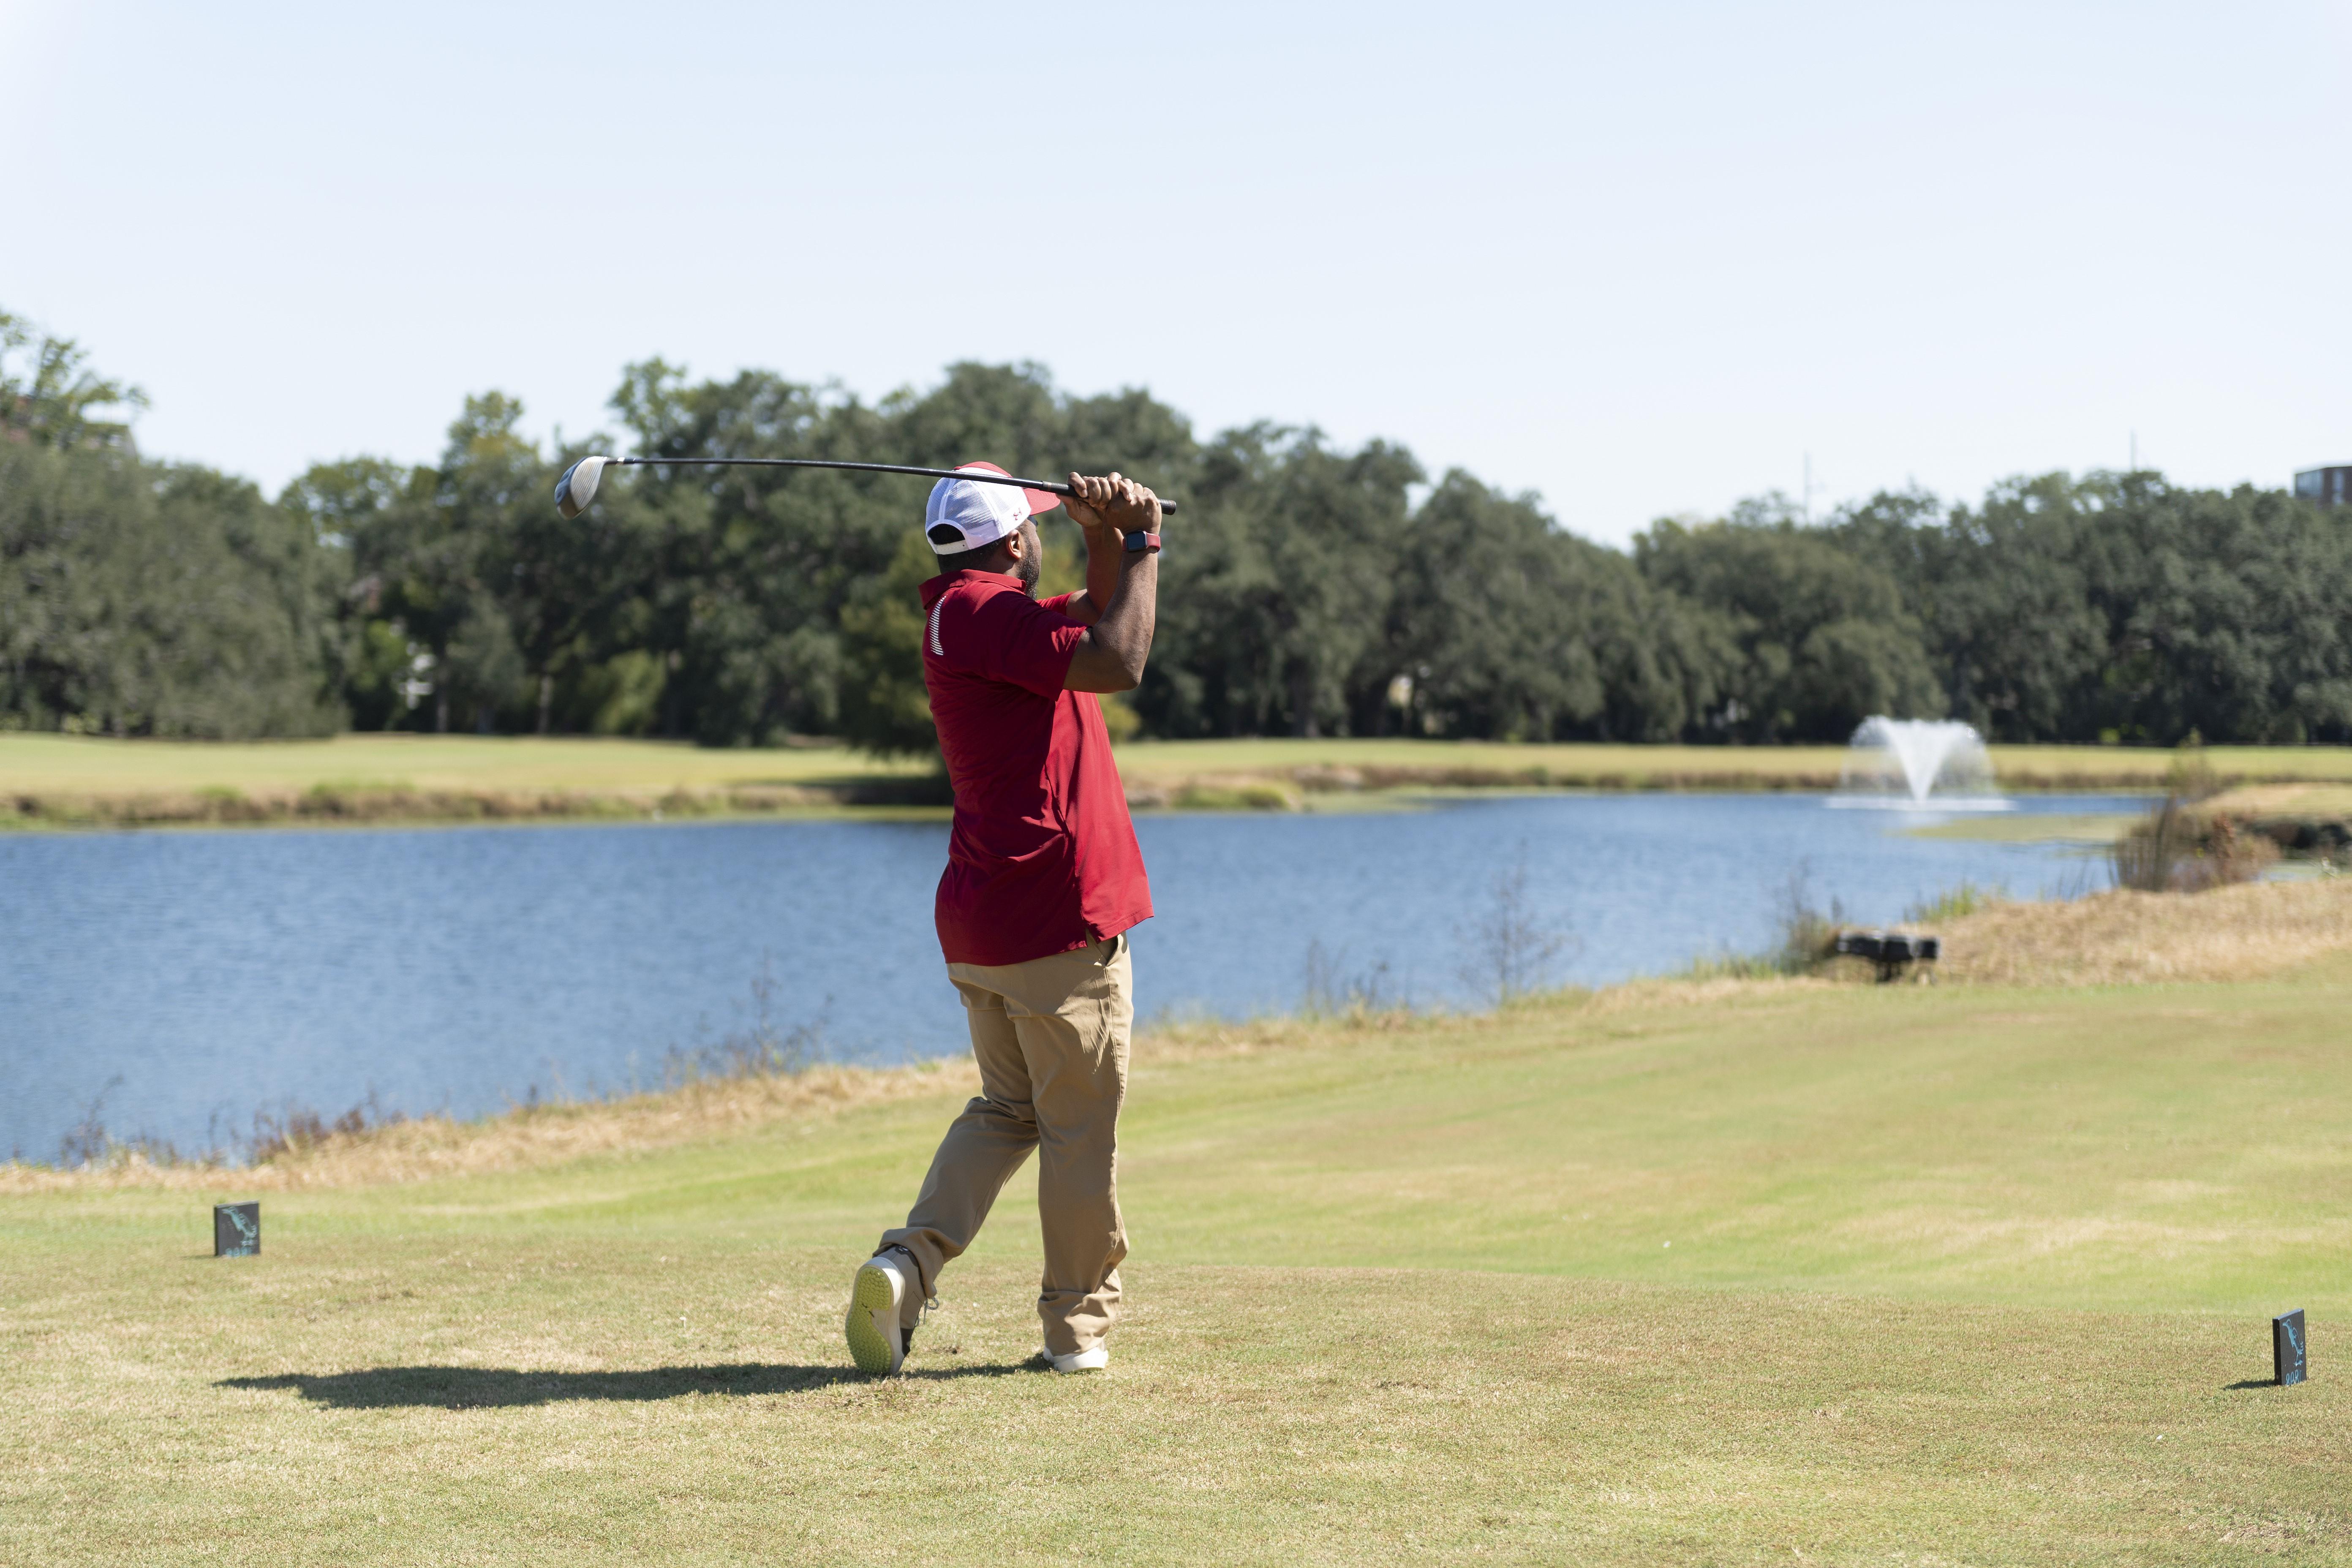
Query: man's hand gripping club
x=1124 y=583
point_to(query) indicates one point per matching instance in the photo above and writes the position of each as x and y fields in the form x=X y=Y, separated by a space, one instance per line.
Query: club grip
x=1167 y=507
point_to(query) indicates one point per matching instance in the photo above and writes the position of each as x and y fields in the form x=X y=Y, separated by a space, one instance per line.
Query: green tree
x=2225 y=612
x=765 y=598
x=1494 y=620
x=885 y=708
x=440 y=559
x=1277 y=586
x=1508 y=627
x=143 y=599
x=367 y=657
x=739 y=607
x=2001 y=598
x=1824 y=637
x=48 y=393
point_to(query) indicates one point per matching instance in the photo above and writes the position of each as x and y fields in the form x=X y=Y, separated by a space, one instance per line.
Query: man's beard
x=1025 y=569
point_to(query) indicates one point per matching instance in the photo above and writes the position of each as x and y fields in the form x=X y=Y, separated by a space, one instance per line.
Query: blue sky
x=1641 y=259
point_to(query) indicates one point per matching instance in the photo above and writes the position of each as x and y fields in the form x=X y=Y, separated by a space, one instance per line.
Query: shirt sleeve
x=1028 y=644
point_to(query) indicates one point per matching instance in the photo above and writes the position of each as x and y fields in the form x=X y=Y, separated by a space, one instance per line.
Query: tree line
x=1308 y=589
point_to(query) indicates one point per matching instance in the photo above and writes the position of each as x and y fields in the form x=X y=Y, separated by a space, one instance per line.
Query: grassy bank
x=1735 y=1272
x=78 y=780
x=1377 y=763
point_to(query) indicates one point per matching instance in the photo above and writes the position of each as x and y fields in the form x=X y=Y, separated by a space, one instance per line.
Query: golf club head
x=577 y=488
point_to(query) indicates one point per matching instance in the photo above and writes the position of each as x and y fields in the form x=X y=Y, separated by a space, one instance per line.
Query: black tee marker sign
x=237 y=1230
x=2287 y=1349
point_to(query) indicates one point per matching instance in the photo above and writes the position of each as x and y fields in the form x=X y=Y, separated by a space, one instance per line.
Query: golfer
x=1044 y=881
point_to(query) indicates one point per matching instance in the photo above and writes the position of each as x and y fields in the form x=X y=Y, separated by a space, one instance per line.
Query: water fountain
x=1918 y=765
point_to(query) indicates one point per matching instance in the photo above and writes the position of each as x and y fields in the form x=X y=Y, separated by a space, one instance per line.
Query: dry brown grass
x=1210 y=1039
x=1700 y=991
x=2123 y=938
x=436 y=1146
x=541 y=1135
x=2280 y=800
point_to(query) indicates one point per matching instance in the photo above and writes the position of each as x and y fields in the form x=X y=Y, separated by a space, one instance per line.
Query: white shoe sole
x=1094 y=1360
x=875 y=1342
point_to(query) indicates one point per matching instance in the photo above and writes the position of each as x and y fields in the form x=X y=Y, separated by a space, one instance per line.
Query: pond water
x=179 y=982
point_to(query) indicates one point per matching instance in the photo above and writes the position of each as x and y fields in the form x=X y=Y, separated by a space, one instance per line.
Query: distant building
x=2329 y=487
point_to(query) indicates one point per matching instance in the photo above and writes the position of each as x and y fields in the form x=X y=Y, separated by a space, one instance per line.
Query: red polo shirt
x=1042 y=858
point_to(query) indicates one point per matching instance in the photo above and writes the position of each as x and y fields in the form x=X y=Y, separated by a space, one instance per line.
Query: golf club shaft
x=1049 y=486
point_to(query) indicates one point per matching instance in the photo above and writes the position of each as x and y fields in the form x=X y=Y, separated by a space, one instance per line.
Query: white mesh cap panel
x=982 y=514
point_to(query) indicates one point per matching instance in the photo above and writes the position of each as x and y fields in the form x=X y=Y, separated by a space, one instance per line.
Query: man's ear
x=1006 y=554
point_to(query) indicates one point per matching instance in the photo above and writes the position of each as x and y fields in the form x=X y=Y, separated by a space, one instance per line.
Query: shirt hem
x=1098 y=934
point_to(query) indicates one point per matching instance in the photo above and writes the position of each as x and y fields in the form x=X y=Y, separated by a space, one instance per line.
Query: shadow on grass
x=2252 y=1382
x=492 y=1387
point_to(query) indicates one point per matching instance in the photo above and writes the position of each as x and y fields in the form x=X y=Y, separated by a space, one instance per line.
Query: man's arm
x=1106 y=552
x=1110 y=655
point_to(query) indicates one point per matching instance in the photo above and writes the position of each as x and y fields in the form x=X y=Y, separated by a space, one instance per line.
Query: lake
x=179 y=982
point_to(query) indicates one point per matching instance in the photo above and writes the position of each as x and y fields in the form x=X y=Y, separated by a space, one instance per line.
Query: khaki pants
x=1050 y=1040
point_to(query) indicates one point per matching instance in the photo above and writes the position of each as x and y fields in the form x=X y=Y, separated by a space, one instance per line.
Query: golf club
x=577 y=488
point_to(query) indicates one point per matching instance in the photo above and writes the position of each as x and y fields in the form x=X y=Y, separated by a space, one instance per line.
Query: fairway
x=1734 y=1272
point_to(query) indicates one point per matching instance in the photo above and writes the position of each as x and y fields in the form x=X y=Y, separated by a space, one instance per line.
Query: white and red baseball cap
x=963 y=516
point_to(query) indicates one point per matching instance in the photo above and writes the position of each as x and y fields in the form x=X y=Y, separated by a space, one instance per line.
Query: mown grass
x=87 y=764
x=81 y=780
x=2100 y=829
x=75 y=781
x=1734 y=1272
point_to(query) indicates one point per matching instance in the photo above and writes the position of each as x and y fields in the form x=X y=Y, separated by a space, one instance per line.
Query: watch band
x=1140 y=542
